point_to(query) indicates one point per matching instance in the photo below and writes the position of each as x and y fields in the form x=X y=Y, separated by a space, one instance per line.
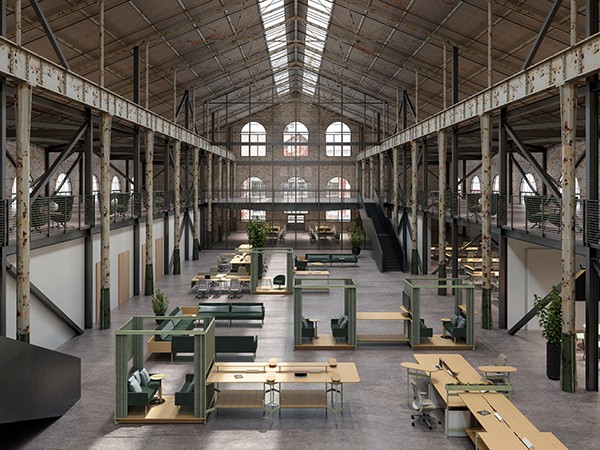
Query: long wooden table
x=284 y=373
x=501 y=422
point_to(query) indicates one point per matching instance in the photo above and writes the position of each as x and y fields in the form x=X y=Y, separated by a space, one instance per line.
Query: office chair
x=498 y=377
x=422 y=405
x=279 y=281
x=201 y=289
x=235 y=289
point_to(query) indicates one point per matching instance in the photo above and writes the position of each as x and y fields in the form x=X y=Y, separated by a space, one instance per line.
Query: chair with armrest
x=421 y=406
x=308 y=329
x=201 y=289
x=279 y=281
x=498 y=377
x=235 y=288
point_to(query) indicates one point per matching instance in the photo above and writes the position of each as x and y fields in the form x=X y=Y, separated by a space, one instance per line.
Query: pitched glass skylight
x=273 y=18
x=318 y=15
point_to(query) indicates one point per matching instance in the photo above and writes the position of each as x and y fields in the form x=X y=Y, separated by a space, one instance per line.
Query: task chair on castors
x=235 y=289
x=421 y=406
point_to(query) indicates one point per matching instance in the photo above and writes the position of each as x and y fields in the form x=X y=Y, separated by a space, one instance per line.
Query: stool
x=271 y=405
x=336 y=388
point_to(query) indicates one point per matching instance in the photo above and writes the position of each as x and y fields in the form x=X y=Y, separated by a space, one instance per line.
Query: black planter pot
x=553 y=356
x=356 y=251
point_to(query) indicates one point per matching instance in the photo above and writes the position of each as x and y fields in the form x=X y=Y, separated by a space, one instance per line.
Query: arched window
x=496 y=185
x=528 y=186
x=253 y=214
x=340 y=215
x=475 y=184
x=253 y=187
x=253 y=139
x=63 y=185
x=460 y=186
x=115 y=184
x=295 y=188
x=338 y=187
x=95 y=185
x=338 y=137
x=295 y=140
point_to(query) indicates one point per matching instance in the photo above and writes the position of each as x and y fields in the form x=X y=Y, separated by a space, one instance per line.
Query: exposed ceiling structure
x=356 y=55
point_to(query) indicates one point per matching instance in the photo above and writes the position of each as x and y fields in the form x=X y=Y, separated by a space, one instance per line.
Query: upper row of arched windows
x=528 y=185
x=295 y=139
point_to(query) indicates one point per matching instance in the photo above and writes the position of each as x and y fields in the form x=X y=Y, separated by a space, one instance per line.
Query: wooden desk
x=244 y=248
x=512 y=429
x=382 y=315
x=284 y=372
x=418 y=371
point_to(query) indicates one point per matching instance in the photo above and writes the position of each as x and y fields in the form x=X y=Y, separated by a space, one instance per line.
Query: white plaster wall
x=533 y=269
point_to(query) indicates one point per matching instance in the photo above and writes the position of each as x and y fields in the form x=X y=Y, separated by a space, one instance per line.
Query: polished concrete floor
x=377 y=415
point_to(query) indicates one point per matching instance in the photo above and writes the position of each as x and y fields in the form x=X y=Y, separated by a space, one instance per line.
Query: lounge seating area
x=456 y=327
x=223 y=344
x=339 y=327
x=161 y=343
x=233 y=311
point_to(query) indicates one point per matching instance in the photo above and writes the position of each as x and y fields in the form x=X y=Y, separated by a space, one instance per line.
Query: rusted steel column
x=176 y=206
x=442 y=154
x=394 y=188
x=371 y=177
x=381 y=176
x=228 y=196
x=414 y=147
x=568 y=113
x=196 y=187
x=363 y=177
x=105 y=136
x=209 y=194
x=220 y=177
x=149 y=284
x=486 y=220
x=233 y=211
x=23 y=132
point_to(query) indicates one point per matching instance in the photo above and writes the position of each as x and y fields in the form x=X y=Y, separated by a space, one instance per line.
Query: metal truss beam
x=19 y=63
x=58 y=161
x=571 y=64
x=541 y=34
x=531 y=159
x=48 y=30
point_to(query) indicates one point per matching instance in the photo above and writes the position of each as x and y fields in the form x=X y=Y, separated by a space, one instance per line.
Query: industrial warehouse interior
x=363 y=224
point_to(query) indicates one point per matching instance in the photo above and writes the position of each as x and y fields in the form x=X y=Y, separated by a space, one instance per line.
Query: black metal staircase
x=391 y=257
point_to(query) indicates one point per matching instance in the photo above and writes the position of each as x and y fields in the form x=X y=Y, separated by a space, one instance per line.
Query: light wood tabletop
x=507 y=369
x=507 y=439
x=418 y=367
x=382 y=315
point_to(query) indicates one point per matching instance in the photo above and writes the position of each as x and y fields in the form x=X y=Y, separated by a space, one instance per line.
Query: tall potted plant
x=356 y=237
x=257 y=236
x=160 y=303
x=549 y=311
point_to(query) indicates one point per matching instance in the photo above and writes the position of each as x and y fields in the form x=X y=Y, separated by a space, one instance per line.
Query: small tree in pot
x=356 y=237
x=160 y=303
x=257 y=236
x=550 y=319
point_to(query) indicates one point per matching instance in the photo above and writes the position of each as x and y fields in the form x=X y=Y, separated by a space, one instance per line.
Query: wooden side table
x=158 y=377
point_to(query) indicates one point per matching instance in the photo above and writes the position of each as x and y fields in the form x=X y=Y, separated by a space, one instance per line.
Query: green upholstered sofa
x=233 y=311
x=457 y=327
x=331 y=258
x=161 y=342
x=425 y=331
x=339 y=327
x=146 y=393
x=185 y=396
x=223 y=344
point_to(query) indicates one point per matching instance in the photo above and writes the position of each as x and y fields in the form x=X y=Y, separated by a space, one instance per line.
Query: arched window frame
x=496 y=185
x=63 y=185
x=295 y=188
x=295 y=139
x=253 y=137
x=253 y=187
x=525 y=189
x=115 y=184
x=338 y=187
x=337 y=139
x=475 y=185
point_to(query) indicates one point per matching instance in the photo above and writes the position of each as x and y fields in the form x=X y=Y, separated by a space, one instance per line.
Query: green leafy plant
x=356 y=234
x=160 y=303
x=257 y=233
x=550 y=316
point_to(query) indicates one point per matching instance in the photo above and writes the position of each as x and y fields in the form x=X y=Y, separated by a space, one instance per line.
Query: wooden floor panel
x=168 y=412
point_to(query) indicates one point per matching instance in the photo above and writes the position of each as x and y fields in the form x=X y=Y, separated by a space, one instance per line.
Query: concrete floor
x=376 y=416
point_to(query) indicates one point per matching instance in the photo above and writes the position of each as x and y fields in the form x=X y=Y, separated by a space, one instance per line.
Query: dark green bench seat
x=178 y=324
x=338 y=258
x=223 y=344
x=233 y=311
x=339 y=327
x=143 y=397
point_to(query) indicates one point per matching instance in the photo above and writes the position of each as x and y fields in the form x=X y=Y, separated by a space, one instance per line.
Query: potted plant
x=257 y=236
x=356 y=237
x=160 y=303
x=549 y=311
